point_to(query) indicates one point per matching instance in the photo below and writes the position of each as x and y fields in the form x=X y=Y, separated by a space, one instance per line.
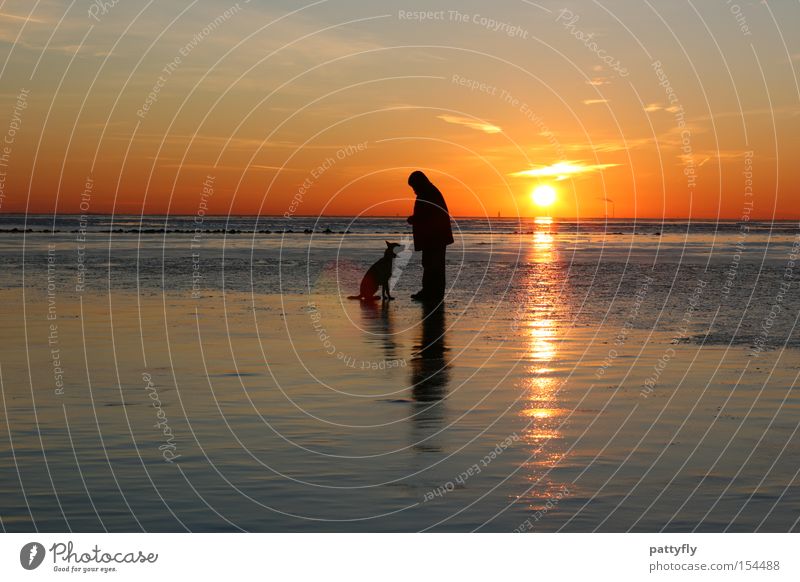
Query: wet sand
x=569 y=383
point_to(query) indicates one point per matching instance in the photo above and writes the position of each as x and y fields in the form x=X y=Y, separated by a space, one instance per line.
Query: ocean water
x=206 y=374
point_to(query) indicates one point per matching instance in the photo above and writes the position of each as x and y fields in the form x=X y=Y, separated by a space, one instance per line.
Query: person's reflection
x=430 y=375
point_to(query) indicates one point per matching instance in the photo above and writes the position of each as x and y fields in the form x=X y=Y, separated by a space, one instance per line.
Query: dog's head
x=390 y=248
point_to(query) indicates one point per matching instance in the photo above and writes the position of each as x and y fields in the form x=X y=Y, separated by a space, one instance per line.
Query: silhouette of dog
x=378 y=275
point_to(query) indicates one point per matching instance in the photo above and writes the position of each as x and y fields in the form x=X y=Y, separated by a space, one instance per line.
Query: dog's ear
x=388 y=244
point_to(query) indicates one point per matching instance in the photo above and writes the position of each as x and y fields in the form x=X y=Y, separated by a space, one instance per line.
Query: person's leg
x=427 y=272
x=438 y=275
x=433 y=274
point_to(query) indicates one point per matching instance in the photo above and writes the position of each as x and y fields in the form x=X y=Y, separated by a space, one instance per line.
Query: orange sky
x=649 y=110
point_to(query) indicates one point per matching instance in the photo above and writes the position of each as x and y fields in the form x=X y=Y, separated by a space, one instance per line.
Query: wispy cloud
x=563 y=170
x=225 y=168
x=7 y=16
x=471 y=123
x=594 y=101
x=650 y=107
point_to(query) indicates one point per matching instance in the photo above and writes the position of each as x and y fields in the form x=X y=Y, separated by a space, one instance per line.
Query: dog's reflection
x=430 y=375
x=377 y=321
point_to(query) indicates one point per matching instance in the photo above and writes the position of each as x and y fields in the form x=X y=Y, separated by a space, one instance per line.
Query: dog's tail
x=354 y=296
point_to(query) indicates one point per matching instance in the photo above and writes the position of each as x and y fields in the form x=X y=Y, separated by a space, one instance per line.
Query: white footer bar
x=402 y=557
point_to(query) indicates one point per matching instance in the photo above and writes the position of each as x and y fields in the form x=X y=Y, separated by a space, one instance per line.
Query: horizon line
x=574 y=218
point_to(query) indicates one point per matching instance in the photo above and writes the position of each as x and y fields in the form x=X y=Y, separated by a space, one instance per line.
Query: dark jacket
x=431 y=220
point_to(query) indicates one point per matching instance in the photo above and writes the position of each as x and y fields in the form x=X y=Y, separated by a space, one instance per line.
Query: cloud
x=225 y=168
x=7 y=16
x=594 y=101
x=563 y=170
x=702 y=157
x=471 y=123
x=650 y=107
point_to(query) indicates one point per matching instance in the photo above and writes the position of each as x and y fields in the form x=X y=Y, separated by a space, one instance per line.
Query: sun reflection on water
x=543 y=247
x=541 y=411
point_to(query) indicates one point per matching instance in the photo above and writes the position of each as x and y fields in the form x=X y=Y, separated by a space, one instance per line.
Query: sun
x=543 y=195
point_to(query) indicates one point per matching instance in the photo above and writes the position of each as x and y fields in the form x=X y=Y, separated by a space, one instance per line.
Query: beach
x=181 y=375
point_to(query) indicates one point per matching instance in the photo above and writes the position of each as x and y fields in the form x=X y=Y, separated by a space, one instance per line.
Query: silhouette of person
x=432 y=233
